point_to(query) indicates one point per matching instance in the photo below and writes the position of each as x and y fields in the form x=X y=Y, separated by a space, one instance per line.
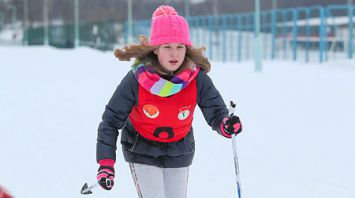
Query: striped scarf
x=152 y=82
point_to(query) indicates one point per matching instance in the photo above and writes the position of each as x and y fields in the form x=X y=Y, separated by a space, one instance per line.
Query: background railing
x=306 y=33
x=300 y=34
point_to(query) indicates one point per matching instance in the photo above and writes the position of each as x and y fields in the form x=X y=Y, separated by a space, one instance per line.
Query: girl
x=154 y=106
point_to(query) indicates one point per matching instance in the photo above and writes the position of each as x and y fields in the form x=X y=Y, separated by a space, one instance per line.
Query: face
x=171 y=55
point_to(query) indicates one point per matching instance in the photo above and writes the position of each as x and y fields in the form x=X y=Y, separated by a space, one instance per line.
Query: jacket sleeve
x=210 y=101
x=115 y=117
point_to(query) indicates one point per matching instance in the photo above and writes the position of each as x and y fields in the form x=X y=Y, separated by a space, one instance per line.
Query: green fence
x=98 y=35
x=2 y=20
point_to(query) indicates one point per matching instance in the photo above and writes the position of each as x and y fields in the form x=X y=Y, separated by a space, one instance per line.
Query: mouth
x=173 y=61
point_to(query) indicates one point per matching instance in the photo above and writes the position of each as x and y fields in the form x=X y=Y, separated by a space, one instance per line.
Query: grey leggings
x=155 y=182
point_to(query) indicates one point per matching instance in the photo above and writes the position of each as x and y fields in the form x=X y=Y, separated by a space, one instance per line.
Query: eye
x=181 y=46
x=167 y=46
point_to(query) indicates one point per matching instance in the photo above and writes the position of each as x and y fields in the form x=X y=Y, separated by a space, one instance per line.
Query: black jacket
x=137 y=149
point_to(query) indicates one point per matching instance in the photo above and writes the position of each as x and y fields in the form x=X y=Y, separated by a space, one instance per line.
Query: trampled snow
x=298 y=138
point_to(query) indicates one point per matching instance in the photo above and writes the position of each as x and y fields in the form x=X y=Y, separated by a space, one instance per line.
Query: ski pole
x=234 y=144
x=85 y=190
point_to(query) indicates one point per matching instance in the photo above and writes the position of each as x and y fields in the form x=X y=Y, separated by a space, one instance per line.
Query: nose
x=174 y=52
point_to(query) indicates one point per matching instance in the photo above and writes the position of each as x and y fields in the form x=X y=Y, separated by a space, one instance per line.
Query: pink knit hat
x=169 y=27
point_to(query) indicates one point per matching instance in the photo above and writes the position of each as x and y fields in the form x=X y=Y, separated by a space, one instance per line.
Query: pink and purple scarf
x=152 y=82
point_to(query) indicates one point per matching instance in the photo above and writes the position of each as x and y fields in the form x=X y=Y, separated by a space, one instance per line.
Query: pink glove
x=106 y=174
x=231 y=125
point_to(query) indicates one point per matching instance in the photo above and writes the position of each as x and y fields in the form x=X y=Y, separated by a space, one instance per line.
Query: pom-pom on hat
x=169 y=27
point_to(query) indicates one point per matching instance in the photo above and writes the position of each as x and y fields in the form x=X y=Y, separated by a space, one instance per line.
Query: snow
x=298 y=138
x=11 y=35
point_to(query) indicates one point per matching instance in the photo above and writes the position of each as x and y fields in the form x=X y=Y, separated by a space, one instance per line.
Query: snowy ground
x=298 y=138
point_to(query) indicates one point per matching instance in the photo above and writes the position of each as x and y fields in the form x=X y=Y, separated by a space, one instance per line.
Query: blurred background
x=316 y=30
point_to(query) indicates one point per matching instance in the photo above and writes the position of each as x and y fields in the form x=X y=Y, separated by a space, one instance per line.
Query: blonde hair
x=144 y=51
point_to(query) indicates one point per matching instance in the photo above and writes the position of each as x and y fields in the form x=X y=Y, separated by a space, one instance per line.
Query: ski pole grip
x=232 y=106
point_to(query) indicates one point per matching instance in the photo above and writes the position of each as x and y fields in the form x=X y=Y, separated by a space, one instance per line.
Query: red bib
x=164 y=119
